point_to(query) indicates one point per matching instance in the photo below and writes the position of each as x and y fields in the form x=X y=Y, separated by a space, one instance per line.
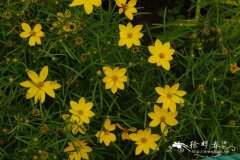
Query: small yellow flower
x=81 y=110
x=130 y=35
x=144 y=141
x=78 y=150
x=232 y=122
x=127 y=8
x=162 y=117
x=125 y=135
x=105 y=135
x=88 y=4
x=35 y=34
x=37 y=86
x=169 y=96
x=78 y=40
x=74 y=124
x=69 y=27
x=234 y=68
x=161 y=54
x=114 y=78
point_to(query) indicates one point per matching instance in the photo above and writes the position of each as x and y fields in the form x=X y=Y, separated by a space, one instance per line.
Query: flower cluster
x=80 y=113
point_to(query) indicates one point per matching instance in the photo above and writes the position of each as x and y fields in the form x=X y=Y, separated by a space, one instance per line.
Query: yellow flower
x=114 y=78
x=161 y=54
x=169 y=96
x=162 y=117
x=69 y=27
x=35 y=34
x=144 y=141
x=106 y=136
x=81 y=110
x=125 y=134
x=234 y=68
x=78 y=150
x=88 y=4
x=37 y=86
x=130 y=35
x=74 y=124
x=129 y=8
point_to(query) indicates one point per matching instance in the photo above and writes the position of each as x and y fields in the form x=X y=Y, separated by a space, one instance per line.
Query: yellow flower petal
x=37 y=28
x=123 y=79
x=88 y=7
x=136 y=42
x=42 y=96
x=121 y=42
x=164 y=128
x=172 y=106
x=153 y=138
x=153 y=50
x=109 y=85
x=114 y=89
x=74 y=105
x=154 y=122
x=160 y=91
x=48 y=89
x=166 y=104
x=171 y=121
x=38 y=40
x=33 y=76
x=139 y=149
x=132 y=2
x=166 y=65
x=37 y=96
x=121 y=72
x=120 y=85
x=32 y=41
x=181 y=93
x=128 y=43
x=81 y=102
x=55 y=85
x=25 y=34
x=27 y=84
x=26 y=27
x=31 y=92
x=129 y=15
x=158 y=44
x=107 y=71
x=146 y=149
x=107 y=79
x=43 y=73
x=40 y=34
x=137 y=29
x=77 y=3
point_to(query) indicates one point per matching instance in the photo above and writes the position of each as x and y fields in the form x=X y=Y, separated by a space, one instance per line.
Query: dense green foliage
x=205 y=45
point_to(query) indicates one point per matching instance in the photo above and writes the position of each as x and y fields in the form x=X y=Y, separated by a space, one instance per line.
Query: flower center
x=169 y=95
x=72 y=27
x=129 y=35
x=143 y=140
x=80 y=112
x=106 y=132
x=162 y=119
x=161 y=55
x=33 y=33
x=124 y=6
x=40 y=84
x=114 y=78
